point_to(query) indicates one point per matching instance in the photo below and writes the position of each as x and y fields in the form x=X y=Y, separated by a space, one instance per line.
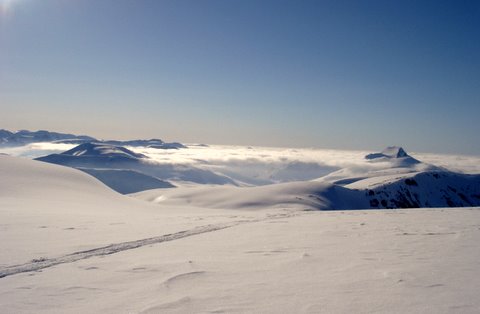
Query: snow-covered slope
x=134 y=167
x=393 y=179
x=101 y=150
x=47 y=210
x=400 y=181
x=403 y=261
x=23 y=178
x=127 y=181
x=383 y=180
x=71 y=245
x=113 y=165
x=392 y=161
x=92 y=154
x=422 y=189
x=292 y=195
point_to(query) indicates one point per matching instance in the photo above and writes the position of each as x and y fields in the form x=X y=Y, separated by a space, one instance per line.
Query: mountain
x=25 y=137
x=102 y=150
x=392 y=180
x=113 y=165
x=389 y=152
x=135 y=143
x=174 y=145
x=126 y=171
x=4 y=136
x=422 y=189
x=391 y=161
x=94 y=155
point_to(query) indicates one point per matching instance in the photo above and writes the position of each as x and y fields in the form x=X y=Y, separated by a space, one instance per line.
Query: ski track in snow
x=42 y=263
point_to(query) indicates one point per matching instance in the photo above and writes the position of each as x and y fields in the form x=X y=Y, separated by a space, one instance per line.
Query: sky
x=328 y=74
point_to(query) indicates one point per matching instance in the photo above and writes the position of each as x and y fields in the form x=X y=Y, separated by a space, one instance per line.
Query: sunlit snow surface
x=71 y=245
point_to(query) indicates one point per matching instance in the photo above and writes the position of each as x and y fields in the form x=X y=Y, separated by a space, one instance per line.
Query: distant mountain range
x=25 y=137
x=388 y=179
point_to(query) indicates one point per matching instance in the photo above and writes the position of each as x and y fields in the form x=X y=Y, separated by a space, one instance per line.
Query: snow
x=389 y=182
x=47 y=210
x=24 y=137
x=72 y=245
x=101 y=150
x=292 y=195
x=118 y=162
x=127 y=181
x=402 y=261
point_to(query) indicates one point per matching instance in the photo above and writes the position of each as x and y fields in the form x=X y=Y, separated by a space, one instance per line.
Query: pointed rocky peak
x=391 y=153
x=395 y=152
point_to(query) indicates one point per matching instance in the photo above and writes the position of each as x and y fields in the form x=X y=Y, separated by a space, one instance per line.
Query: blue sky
x=331 y=74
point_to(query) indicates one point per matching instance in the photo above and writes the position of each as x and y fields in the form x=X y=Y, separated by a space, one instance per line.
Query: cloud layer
x=261 y=165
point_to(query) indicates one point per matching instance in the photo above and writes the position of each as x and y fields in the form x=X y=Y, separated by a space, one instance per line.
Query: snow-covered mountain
x=390 y=179
x=398 y=180
x=24 y=137
x=391 y=152
x=391 y=161
x=126 y=171
x=174 y=145
x=135 y=143
x=102 y=150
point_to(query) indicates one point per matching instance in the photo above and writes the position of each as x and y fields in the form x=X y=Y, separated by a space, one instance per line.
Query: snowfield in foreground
x=71 y=245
